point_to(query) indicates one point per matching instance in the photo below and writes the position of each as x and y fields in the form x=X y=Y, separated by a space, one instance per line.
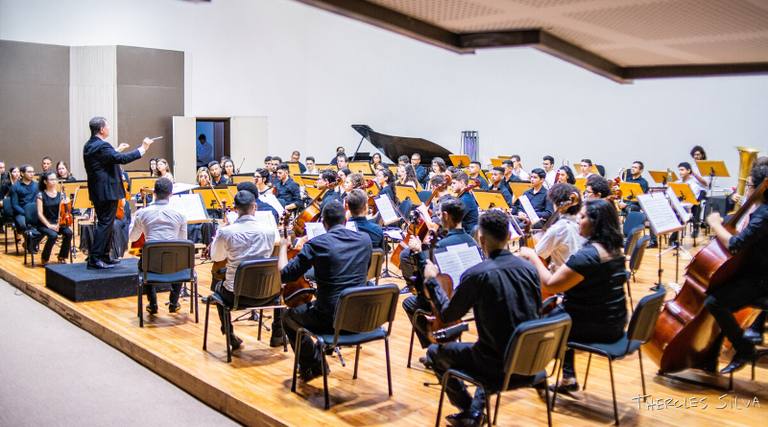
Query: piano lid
x=396 y=146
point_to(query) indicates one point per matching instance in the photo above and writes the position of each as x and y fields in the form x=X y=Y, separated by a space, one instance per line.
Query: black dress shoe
x=654 y=245
x=311 y=373
x=174 y=308
x=151 y=309
x=754 y=336
x=466 y=419
x=277 y=341
x=235 y=342
x=739 y=360
x=110 y=261
x=424 y=361
x=99 y=266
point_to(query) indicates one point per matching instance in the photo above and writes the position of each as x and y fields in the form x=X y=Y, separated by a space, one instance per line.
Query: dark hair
x=329 y=175
x=249 y=187
x=561 y=192
x=403 y=159
x=550 y=159
x=42 y=179
x=263 y=173
x=495 y=224
x=224 y=167
x=540 y=172
x=374 y=156
x=244 y=200
x=460 y=176
x=296 y=152
x=760 y=162
x=310 y=158
x=605 y=225
x=279 y=160
x=417 y=155
x=212 y=163
x=23 y=168
x=283 y=167
x=507 y=163
x=436 y=180
x=759 y=175
x=345 y=171
x=476 y=163
x=684 y=165
x=339 y=148
x=48 y=158
x=201 y=137
x=515 y=157
x=7 y=179
x=334 y=213
x=357 y=179
x=498 y=169
x=599 y=185
x=452 y=169
x=341 y=155
x=571 y=179
x=357 y=200
x=267 y=159
x=642 y=166
x=391 y=182
x=151 y=172
x=440 y=163
x=701 y=149
x=454 y=207
x=96 y=124
x=163 y=188
x=205 y=170
x=587 y=161
x=410 y=173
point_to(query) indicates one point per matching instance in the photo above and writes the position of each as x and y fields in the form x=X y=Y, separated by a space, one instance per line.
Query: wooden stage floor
x=255 y=388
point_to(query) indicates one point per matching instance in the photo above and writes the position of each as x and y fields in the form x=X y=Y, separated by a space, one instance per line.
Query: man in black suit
x=105 y=186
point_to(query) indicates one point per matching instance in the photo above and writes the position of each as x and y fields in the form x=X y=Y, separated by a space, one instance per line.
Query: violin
x=291 y=288
x=440 y=332
x=371 y=202
x=65 y=210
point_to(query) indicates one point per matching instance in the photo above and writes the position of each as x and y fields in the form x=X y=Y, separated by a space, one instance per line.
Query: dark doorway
x=216 y=131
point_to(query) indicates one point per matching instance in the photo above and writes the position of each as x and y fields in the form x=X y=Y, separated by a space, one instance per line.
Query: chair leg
x=642 y=376
x=410 y=349
x=325 y=382
x=194 y=297
x=613 y=392
x=139 y=293
x=557 y=383
x=496 y=412
x=546 y=396
x=586 y=374
x=488 y=404
x=205 y=330
x=228 y=333
x=261 y=322
x=442 y=397
x=357 y=358
x=389 y=368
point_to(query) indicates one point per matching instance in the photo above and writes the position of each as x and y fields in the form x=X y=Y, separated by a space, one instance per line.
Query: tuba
x=747 y=157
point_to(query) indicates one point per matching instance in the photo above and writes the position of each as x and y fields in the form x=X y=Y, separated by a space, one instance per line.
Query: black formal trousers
x=306 y=316
x=66 y=240
x=102 y=236
x=728 y=298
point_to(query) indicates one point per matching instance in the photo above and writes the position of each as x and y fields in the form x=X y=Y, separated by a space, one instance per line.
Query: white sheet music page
x=678 y=205
x=271 y=200
x=189 y=205
x=529 y=210
x=387 y=211
x=267 y=218
x=457 y=259
x=659 y=212
x=314 y=229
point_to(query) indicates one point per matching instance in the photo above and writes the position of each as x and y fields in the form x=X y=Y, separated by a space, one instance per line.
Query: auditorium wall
x=313 y=74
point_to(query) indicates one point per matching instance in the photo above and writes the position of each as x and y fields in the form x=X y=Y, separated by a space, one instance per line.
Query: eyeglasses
x=587 y=192
x=751 y=186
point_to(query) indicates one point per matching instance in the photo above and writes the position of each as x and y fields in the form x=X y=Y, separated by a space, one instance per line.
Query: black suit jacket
x=105 y=182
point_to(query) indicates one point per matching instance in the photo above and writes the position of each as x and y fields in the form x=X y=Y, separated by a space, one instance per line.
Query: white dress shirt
x=520 y=173
x=550 y=179
x=695 y=185
x=158 y=221
x=560 y=241
x=244 y=239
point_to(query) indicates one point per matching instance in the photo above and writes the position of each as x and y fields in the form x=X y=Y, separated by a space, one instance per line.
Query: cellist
x=751 y=283
x=485 y=288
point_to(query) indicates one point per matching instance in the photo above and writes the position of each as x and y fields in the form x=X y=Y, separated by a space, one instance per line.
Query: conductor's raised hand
x=120 y=148
x=146 y=143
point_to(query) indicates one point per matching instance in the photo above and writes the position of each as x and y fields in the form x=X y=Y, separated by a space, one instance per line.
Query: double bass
x=685 y=331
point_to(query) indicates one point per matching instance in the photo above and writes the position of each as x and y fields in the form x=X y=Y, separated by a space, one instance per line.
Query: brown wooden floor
x=255 y=388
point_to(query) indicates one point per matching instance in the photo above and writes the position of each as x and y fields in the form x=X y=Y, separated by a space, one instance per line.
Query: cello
x=440 y=332
x=289 y=289
x=312 y=212
x=685 y=331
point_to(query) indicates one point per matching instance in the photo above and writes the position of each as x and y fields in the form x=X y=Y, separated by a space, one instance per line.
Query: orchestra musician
x=288 y=191
x=509 y=176
x=459 y=182
x=8 y=179
x=23 y=192
x=159 y=221
x=62 y=172
x=342 y=161
x=698 y=153
x=357 y=202
x=699 y=191
x=498 y=184
x=244 y=239
x=339 y=150
x=537 y=194
x=311 y=169
x=517 y=168
x=566 y=175
x=486 y=289
x=162 y=169
x=105 y=186
x=296 y=158
x=597 y=187
x=402 y=160
x=229 y=169
x=325 y=180
x=340 y=190
x=274 y=163
x=49 y=200
x=375 y=161
x=386 y=180
x=749 y=284
x=407 y=176
x=474 y=174
x=561 y=239
x=421 y=173
x=216 y=176
x=438 y=167
x=451 y=212
x=46 y=163
x=593 y=297
x=586 y=168
x=153 y=166
x=340 y=259
x=548 y=162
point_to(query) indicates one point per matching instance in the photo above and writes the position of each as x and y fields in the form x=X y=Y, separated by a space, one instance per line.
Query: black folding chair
x=164 y=262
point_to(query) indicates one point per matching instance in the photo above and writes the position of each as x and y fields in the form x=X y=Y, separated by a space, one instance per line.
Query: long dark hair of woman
x=391 y=182
x=43 y=178
x=605 y=225
x=410 y=174
x=571 y=178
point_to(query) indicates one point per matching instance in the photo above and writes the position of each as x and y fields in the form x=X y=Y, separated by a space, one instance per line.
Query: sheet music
x=681 y=211
x=514 y=234
x=268 y=219
x=528 y=207
x=387 y=211
x=659 y=212
x=271 y=200
x=314 y=229
x=189 y=205
x=232 y=216
x=180 y=187
x=394 y=234
x=454 y=262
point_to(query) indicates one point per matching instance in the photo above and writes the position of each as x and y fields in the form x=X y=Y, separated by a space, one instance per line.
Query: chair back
x=424 y=195
x=168 y=257
x=30 y=215
x=634 y=235
x=366 y=308
x=7 y=208
x=374 y=270
x=534 y=344
x=637 y=253
x=405 y=207
x=632 y=220
x=257 y=279
x=646 y=315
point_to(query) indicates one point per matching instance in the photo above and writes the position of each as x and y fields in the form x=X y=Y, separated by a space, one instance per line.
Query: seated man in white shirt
x=159 y=221
x=517 y=168
x=561 y=239
x=586 y=169
x=244 y=239
x=698 y=190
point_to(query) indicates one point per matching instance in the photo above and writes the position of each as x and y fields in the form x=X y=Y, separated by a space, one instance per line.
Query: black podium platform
x=77 y=283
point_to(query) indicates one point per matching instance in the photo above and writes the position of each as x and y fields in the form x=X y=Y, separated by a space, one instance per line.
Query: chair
x=533 y=345
x=361 y=314
x=424 y=195
x=164 y=262
x=8 y=220
x=637 y=255
x=639 y=332
x=629 y=243
x=254 y=279
x=405 y=210
x=377 y=260
x=633 y=220
x=32 y=237
x=600 y=170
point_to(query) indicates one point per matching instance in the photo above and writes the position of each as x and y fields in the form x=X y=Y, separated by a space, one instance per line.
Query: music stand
x=594 y=170
x=144 y=181
x=407 y=192
x=210 y=201
x=496 y=162
x=713 y=168
x=312 y=192
x=504 y=158
x=307 y=180
x=371 y=191
x=70 y=187
x=630 y=190
x=581 y=184
x=237 y=179
x=393 y=169
x=490 y=199
x=661 y=217
x=459 y=160
x=361 y=167
x=326 y=166
x=518 y=188
x=81 y=200
x=660 y=177
x=294 y=168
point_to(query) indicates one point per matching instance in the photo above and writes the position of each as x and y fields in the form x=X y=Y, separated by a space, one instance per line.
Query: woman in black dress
x=48 y=205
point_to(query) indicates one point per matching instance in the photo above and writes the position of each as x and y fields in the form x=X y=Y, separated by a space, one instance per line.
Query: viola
x=65 y=210
x=302 y=283
x=437 y=330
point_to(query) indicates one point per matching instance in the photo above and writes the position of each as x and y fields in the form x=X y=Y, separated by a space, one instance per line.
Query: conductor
x=105 y=186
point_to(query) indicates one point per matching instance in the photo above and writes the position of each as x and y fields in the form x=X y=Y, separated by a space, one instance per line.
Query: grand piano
x=396 y=146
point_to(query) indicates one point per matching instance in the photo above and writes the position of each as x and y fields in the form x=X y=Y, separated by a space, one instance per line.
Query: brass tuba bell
x=747 y=156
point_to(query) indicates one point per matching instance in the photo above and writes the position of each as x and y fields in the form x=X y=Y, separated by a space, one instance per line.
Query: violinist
x=592 y=280
x=340 y=258
x=62 y=172
x=357 y=202
x=352 y=181
x=340 y=190
x=459 y=182
x=486 y=289
x=375 y=161
x=159 y=221
x=325 y=180
x=438 y=167
x=244 y=239
x=750 y=283
x=597 y=187
x=498 y=184
x=216 y=177
x=288 y=191
x=537 y=194
x=561 y=239
x=49 y=201
x=474 y=174
x=451 y=212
